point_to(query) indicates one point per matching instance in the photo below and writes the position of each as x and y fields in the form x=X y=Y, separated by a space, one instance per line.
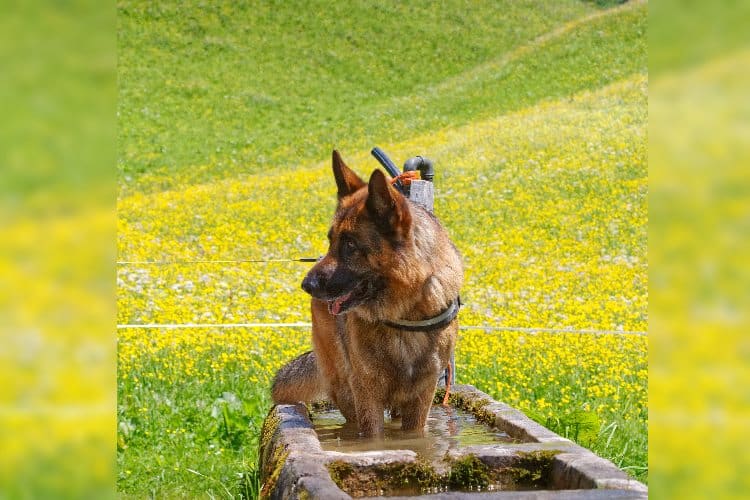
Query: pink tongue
x=334 y=307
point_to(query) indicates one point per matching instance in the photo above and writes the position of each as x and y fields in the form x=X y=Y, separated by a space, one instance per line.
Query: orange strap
x=407 y=177
x=448 y=382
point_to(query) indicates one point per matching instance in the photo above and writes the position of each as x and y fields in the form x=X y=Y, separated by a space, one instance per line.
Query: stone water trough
x=474 y=448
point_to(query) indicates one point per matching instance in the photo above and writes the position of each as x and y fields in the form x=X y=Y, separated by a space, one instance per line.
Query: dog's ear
x=346 y=180
x=387 y=207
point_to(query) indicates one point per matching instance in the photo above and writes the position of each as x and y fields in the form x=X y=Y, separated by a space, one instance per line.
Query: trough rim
x=304 y=471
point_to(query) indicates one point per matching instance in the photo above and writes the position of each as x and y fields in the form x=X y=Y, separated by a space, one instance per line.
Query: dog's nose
x=311 y=283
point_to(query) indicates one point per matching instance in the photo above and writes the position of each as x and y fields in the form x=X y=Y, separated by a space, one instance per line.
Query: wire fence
x=201 y=261
x=488 y=328
x=174 y=326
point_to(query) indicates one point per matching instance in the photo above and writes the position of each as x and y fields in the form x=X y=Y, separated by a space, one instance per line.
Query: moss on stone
x=390 y=478
x=470 y=402
x=468 y=473
x=303 y=494
x=268 y=462
x=272 y=458
x=418 y=474
x=274 y=467
x=476 y=405
x=538 y=463
x=339 y=472
x=485 y=416
x=517 y=477
x=320 y=406
x=532 y=471
x=270 y=424
x=439 y=395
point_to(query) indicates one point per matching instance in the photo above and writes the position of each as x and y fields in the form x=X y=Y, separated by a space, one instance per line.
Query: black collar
x=430 y=324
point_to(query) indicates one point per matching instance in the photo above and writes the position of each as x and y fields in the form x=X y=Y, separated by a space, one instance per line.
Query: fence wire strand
x=173 y=326
x=487 y=328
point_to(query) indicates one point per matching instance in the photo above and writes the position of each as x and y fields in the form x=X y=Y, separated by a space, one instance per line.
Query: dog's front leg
x=369 y=406
x=345 y=401
x=414 y=414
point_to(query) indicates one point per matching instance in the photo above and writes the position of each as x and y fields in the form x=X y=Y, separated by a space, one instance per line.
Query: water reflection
x=447 y=428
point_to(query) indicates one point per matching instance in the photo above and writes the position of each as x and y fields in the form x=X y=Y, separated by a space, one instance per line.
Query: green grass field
x=535 y=114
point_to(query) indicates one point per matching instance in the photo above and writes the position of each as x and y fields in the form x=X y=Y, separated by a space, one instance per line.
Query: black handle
x=383 y=159
x=391 y=167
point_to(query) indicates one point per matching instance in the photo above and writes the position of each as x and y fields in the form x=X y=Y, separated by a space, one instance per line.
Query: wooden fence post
x=422 y=193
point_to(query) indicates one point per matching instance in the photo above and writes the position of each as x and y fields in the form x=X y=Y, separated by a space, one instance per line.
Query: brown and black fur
x=388 y=260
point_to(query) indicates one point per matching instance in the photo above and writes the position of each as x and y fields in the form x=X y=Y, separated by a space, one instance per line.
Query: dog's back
x=298 y=380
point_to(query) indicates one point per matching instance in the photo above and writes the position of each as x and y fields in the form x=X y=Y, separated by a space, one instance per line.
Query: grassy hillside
x=237 y=87
x=536 y=119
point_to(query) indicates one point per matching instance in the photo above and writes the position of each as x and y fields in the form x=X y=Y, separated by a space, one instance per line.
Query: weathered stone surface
x=315 y=487
x=533 y=495
x=293 y=464
x=369 y=458
x=587 y=470
x=290 y=451
x=297 y=468
x=508 y=455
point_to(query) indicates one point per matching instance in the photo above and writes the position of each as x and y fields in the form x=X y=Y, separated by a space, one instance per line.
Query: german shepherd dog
x=390 y=268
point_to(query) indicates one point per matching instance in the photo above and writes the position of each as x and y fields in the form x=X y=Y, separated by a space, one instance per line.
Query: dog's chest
x=402 y=357
x=410 y=354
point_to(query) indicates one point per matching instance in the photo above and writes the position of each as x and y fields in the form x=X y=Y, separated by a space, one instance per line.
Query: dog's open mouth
x=341 y=304
x=350 y=299
x=362 y=292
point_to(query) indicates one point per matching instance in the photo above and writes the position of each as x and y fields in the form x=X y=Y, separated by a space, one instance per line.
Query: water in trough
x=448 y=428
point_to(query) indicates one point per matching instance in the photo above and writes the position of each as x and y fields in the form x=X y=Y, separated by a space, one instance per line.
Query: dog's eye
x=348 y=247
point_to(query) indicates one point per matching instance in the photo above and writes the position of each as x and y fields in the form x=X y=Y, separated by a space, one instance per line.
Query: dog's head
x=370 y=234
